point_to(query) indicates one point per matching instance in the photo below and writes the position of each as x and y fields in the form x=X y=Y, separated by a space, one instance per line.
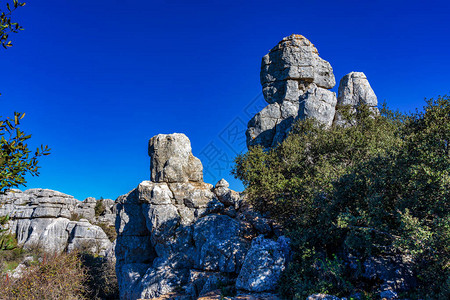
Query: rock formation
x=54 y=221
x=296 y=83
x=355 y=90
x=179 y=234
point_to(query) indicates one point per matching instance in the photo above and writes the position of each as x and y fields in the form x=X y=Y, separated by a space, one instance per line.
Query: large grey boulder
x=172 y=159
x=219 y=244
x=323 y=297
x=394 y=272
x=177 y=233
x=296 y=83
x=354 y=91
x=86 y=208
x=294 y=59
x=108 y=216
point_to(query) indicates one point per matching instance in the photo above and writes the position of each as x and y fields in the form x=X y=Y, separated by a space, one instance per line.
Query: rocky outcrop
x=179 y=234
x=296 y=83
x=354 y=91
x=53 y=221
x=172 y=159
x=263 y=265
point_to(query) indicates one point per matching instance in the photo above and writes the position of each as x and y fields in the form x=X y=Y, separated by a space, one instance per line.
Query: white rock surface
x=172 y=159
x=41 y=217
x=262 y=266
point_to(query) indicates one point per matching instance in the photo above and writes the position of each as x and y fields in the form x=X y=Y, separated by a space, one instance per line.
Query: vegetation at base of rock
x=75 y=275
x=99 y=208
x=379 y=188
x=7 y=240
x=110 y=231
x=75 y=217
x=55 y=277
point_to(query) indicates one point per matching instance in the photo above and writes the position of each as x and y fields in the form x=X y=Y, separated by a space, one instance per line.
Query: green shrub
x=379 y=187
x=75 y=217
x=99 y=207
x=101 y=280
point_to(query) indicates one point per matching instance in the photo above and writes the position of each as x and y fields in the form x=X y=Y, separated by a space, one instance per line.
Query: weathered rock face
x=178 y=232
x=172 y=159
x=41 y=218
x=296 y=83
x=355 y=90
x=263 y=265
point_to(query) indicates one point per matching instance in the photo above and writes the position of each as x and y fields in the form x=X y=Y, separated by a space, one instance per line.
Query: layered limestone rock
x=177 y=233
x=46 y=219
x=296 y=83
x=172 y=159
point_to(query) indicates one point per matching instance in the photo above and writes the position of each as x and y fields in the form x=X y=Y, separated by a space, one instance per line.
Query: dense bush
x=99 y=207
x=380 y=187
x=101 y=280
x=54 y=277
x=77 y=275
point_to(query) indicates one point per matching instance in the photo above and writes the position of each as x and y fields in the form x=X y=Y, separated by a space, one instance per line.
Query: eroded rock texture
x=179 y=234
x=296 y=83
x=172 y=159
x=42 y=218
x=355 y=90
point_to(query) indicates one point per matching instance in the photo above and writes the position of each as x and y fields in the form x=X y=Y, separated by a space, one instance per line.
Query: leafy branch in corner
x=6 y=25
x=16 y=159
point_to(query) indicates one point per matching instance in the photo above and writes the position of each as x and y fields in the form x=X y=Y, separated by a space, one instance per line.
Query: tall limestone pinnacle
x=296 y=83
x=178 y=234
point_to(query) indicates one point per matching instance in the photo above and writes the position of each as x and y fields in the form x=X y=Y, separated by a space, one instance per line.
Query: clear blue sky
x=97 y=79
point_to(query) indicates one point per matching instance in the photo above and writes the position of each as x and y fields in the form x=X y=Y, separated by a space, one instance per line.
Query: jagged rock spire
x=296 y=83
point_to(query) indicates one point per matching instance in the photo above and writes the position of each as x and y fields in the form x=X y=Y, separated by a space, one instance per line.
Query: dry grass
x=60 y=276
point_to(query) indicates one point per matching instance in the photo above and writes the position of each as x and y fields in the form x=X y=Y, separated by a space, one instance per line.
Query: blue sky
x=97 y=79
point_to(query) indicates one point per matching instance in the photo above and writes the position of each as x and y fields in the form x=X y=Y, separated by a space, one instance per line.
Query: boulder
x=172 y=159
x=354 y=91
x=262 y=266
x=85 y=236
x=323 y=297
